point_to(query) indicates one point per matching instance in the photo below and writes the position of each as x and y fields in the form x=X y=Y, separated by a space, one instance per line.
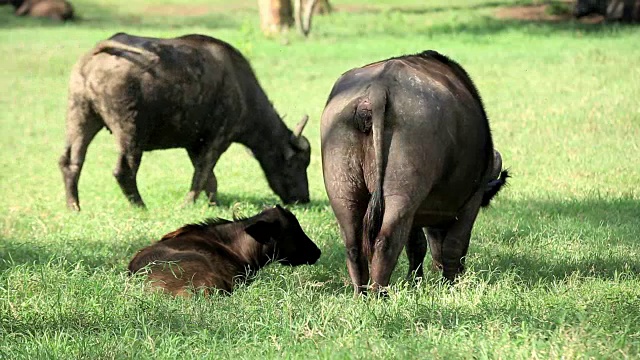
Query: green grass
x=554 y=267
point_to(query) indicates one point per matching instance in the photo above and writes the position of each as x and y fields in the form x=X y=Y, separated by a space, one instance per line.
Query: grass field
x=554 y=264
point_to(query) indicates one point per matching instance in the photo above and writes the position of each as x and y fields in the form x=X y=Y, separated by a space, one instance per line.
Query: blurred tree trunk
x=275 y=15
x=303 y=12
x=323 y=7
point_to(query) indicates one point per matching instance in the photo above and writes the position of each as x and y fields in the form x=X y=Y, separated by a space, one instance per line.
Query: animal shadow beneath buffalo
x=229 y=200
x=496 y=252
x=528 y=226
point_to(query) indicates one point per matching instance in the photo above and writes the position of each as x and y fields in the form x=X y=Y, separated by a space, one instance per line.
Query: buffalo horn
x=497 y=164
x=298 y=131
x=297 y=140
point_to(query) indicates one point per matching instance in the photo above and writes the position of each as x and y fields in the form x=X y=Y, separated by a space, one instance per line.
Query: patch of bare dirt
x=543 y=13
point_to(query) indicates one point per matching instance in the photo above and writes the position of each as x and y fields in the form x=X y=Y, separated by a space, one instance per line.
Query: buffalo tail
x=109 y=46
x=375 y=209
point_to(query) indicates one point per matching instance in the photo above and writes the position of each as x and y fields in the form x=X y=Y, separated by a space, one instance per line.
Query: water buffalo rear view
x=216 y=253
x=406 y=144
x=193 y=92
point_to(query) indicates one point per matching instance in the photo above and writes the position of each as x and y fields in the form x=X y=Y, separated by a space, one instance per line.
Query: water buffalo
x=218 y=252
x=406 y=145
x=193 y=92
x=625 y=10
x=53 y=9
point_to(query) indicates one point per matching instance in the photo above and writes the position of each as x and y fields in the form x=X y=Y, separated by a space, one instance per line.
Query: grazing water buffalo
x=217 y=252
x=193 y=92
x=405 y=145
x=625 y=10
x=53 y=9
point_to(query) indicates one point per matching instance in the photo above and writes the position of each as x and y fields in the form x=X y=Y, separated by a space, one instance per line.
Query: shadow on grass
x=91 y=254
x=505 y=252
x=508 y=251
x=228 y=200
x=543 y=222
x=117 y=254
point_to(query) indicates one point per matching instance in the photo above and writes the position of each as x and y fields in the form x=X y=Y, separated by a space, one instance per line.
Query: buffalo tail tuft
x=372 y=222
x=493 y=187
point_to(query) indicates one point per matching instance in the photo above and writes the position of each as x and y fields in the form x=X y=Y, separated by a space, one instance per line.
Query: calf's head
x=288 y=179
x=281 y=236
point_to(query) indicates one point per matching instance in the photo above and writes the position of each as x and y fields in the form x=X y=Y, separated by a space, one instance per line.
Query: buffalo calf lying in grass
x=54 y=9
x=217 y=252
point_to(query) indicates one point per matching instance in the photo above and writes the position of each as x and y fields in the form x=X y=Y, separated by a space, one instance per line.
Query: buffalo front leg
x=416 y=250
x=436 y=238
x=204 y=161
x=456 y=242
x=126 y=172
x=82 y=127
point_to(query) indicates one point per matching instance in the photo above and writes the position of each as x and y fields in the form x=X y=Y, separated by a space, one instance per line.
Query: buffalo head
x=280 y=232
x=288 y=178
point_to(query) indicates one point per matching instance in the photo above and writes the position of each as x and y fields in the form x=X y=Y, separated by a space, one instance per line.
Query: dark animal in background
x=624 y=10
x=193 y=92
x=217 y=253
x=53 y=9
x=406 y=145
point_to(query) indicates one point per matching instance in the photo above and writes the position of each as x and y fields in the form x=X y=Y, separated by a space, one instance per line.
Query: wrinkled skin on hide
x=406 y=146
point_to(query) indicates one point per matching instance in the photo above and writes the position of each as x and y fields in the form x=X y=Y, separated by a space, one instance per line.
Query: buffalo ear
x=262 y=231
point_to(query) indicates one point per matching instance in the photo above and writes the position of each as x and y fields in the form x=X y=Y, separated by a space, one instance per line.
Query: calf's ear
x=262 y=231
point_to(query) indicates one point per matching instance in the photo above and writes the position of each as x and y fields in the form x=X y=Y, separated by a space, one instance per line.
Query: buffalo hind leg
x=82 y=126
x=130 y=144
x=416 y=250
x=126 y=172
x=456 y=242
x=349 y=210
x=211 y=186
x=204 y=160
x=356 y=260
x=389 y=243
x=436 y=238
x=349 y=218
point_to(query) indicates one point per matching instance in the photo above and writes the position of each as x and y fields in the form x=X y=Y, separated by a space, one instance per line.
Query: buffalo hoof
x=73 y=206
x=436 y=266
x=378 y=291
